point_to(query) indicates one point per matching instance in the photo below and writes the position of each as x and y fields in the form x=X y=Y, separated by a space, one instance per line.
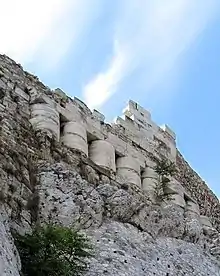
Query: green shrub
x=53 y=251
x=165 y=169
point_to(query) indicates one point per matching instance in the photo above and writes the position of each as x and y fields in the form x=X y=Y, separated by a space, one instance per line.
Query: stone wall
x=207 y=200
x=127 y=148
x=60 y=161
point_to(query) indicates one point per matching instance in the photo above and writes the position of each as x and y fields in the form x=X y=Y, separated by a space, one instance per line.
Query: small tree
x=165 y=169
x=53 y=251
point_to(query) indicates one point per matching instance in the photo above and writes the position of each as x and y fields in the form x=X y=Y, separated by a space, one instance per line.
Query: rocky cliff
x=45 y=177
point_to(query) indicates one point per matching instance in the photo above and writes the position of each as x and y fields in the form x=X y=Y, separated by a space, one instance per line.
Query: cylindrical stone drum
x=129 y=170
x=102 y=153
x=45 y=117
x=74 y=136
x=173 y=187
x=205 y=221
x=192 y=207
x=176 y=199
x=149 y=179
x=174 y=192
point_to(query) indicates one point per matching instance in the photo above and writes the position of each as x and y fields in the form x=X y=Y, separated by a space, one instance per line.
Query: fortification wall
x=127 y=149
x=207 y=200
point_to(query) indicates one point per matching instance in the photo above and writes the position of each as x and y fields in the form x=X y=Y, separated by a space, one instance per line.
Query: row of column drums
x=102 y=153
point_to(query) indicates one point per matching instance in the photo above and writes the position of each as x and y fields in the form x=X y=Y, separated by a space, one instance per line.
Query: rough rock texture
x=9 y=259
x=208 y=202
x=123 y=250
x=131 y=236
x=64 y=197
x=41 y=181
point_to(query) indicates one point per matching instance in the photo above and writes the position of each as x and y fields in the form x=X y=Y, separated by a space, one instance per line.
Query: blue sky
x=163 y=54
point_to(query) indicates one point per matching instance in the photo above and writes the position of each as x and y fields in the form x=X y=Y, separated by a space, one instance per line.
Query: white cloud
x=42 y=30
x=151 y=35
x=104 y=84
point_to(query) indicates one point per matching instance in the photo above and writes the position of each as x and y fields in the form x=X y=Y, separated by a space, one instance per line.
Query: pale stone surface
x=123 y=148
x=74 y=136
x=192 y=207
x=175 y=193
x=174 y=187
x=128 y=168
x=120 y=146
x=21 y=93
x=177 y=199
x=9 y=259
x=169 y=131
x=45 y=118
x=99 y=116
x=205 y=221
x=123 y=250
x=68 y=199
x=102 y=153
x=137 y=113
x=128 y=162
x=199 y=191
x=149 y=181
x=143 y=131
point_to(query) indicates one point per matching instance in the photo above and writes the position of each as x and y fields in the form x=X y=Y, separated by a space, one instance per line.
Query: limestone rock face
x=66 y=198
x=9 y=258
x=130 y=236
x=123 y=250
x=61 y=163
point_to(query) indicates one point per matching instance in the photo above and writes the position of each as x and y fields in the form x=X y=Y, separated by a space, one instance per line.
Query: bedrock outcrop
x=51 y=170
x=131 y=236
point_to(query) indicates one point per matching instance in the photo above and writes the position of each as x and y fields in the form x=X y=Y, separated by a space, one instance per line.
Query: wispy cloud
x=105 y=83
x=151 y=35
x=43 y=30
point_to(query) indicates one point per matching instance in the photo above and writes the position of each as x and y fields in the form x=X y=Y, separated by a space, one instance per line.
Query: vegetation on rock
x=165 y=169
x=53 y=251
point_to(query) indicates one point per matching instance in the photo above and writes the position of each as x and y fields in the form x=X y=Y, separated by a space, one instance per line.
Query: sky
x=163 y=54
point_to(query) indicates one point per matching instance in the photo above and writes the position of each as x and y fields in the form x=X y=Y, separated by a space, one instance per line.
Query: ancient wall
x=207 y=200
x=60 y=161
x=127 y=149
